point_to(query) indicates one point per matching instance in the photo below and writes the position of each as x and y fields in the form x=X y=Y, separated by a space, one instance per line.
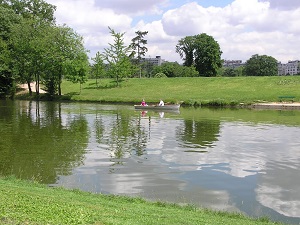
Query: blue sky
x=241 y=27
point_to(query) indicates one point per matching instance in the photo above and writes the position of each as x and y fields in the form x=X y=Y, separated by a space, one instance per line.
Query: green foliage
x=202 y=51
x=185 y=48
x=160 y=75
x=173 y=69
x=138 y=44
x=7 y=79
x=39 y=50
x=207 y=55
x=230 y=72
x=7 y=20
x=31 y=9
x=6 y=76
x=138 y=47
x=98 y=68
x=66 y=57
x=261 y=65
x=117 y=57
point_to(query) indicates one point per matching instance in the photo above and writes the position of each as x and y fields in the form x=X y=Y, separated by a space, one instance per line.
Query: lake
x=240 y=160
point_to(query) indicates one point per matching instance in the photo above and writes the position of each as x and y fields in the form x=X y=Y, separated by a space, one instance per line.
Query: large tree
x=7 y=79
x=261 y=65
x=37 y=9
x=139 y=48
x=185 y=48
x=27 y=50
x=24 y=39
x=203 y=52
x=207 y=55
x=117 y=57
x=65 y=57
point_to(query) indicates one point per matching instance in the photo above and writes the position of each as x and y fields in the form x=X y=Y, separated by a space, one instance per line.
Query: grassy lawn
x=23 y=202
x=190 y=91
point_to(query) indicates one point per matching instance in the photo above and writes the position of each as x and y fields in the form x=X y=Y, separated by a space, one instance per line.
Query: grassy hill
x=190 y=91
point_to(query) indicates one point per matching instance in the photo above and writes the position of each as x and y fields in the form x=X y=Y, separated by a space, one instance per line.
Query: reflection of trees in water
x=39 y=146
x=199 y=134
x=124 y=135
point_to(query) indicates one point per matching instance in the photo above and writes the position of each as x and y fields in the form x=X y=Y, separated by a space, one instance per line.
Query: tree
x=261 y=65
x=98 y=66
x=139 y=48
x=37 y=9
x=6 y=76
x=207 y=55
x=77 y=69
x=117 y=57
x=7 y=79
x=65 y=57
x=185 y=48
x=26 y=36
x=203 y=52
x=28 y=41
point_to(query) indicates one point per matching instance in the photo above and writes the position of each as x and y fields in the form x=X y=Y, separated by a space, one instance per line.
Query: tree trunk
x=29 y=88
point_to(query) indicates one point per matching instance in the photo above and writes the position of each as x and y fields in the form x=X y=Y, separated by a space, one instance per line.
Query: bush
x=160 y=75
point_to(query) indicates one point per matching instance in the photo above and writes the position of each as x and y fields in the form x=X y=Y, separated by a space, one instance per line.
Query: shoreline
x=277 y=105
x=262 y=105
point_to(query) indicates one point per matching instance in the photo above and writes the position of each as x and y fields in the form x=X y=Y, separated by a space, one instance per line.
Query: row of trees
x=35 y=49
x=201 y=56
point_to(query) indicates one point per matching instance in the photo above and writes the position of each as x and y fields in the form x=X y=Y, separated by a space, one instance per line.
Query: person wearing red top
x=143 y=103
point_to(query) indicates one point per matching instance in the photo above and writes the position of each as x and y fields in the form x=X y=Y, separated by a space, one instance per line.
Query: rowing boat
x=157 y=107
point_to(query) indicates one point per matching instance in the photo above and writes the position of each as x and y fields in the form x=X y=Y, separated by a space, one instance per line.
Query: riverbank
x=24 y=202
x=200 y=91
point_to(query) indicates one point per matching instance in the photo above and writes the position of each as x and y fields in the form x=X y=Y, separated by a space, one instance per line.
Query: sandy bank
x=277 y=105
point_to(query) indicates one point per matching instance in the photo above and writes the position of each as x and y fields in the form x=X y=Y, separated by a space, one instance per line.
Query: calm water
x=236 y=160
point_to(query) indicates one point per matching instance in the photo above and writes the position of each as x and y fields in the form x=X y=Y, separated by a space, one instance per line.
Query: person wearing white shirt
x=161 y=103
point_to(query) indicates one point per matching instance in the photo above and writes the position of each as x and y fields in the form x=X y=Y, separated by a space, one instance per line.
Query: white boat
x=157 y=107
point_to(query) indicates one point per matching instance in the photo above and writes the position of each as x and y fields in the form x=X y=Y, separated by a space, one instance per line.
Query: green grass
x=189 y=91
x=23 y=202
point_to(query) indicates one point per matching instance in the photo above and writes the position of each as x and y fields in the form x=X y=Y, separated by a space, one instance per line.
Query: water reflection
x=239 y=160
x=35 y=144
x=199 y=134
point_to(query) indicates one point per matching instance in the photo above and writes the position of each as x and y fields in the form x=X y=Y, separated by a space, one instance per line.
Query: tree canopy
x=35 y=49
x=202 y=51
x=117 y=57
x=261 y=65
x=139 y=48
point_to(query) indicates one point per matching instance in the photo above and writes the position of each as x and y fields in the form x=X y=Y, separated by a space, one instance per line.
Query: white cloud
x=242 y=28
x=133 y=7
x=284 y=5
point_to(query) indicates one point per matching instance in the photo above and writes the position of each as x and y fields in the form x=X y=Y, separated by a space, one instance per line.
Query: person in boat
x=143 y=103
x=161 y=103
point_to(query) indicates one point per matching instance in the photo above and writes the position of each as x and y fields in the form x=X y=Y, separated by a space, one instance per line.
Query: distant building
x=157 y=61
x=292 y=67
x=281 y=69
x=232 y=63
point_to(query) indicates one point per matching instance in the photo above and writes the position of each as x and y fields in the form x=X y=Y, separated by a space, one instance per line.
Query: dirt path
x=32 y=85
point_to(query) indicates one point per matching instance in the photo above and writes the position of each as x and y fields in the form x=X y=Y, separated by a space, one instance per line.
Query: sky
x=241 y=27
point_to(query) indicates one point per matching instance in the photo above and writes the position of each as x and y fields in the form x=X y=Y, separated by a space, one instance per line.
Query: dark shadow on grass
x=111 y=85
x=72 y=93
